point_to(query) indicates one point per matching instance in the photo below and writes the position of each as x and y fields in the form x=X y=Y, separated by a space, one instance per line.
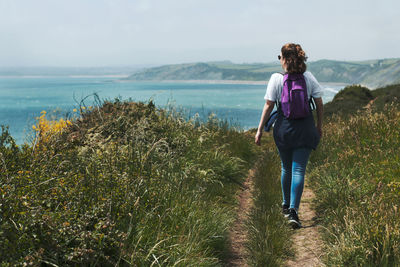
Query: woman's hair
x=294 y=57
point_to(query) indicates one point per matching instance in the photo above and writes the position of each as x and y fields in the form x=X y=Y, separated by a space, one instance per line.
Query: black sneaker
x=294 y=219
x=285 y=210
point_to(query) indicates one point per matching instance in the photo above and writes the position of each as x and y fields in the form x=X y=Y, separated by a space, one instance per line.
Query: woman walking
x=294 y=137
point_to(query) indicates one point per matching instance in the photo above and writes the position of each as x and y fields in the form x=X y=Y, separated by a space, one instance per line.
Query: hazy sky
x=130 y=32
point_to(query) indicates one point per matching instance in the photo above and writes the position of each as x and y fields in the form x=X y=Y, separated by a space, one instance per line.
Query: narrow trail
x=238 y=233
x=307 y=243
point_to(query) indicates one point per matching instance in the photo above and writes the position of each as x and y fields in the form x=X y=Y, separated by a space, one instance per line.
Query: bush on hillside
x=348 y=101
x=125 y=184
x=356 y=178
x=355 y=97
x=386 y=95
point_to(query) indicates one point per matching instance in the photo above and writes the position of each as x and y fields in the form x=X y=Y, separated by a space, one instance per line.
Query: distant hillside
x=224 y=70
x=207 y=71
x=372 y=73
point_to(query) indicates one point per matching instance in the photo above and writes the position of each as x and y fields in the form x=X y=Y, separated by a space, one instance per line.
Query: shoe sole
x=294 y=224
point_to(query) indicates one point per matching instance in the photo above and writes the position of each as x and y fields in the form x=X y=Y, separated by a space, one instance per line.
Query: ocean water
x=23 y=98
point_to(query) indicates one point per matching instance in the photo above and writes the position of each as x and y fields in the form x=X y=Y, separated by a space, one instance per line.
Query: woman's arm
x=320 y=113
x=268 y=107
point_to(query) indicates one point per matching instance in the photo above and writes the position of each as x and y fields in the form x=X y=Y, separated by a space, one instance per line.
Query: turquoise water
x=22 y=99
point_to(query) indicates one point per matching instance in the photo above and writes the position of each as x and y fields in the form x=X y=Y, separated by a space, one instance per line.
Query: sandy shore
x=202 y=81
x=122 y=78
x=225 y=82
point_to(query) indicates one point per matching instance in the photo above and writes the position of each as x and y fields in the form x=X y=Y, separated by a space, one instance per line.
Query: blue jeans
x=294 y=162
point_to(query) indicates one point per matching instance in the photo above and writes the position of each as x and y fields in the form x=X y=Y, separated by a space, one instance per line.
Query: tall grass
x=124 y=184
x=269 y=235
x=356 y=178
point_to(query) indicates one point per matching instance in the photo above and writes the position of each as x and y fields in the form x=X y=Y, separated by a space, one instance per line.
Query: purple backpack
x=294 y=99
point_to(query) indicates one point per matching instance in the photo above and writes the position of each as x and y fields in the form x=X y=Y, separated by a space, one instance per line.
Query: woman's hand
x=320 y=112
x=268 y=107
x=258 y=138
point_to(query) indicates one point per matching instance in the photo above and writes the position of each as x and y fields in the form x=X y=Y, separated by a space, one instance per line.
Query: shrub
x=123 y=184
x=356 y=177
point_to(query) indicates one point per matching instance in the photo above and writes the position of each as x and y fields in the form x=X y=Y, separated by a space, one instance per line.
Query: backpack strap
x=312 y=104
x=278 y=103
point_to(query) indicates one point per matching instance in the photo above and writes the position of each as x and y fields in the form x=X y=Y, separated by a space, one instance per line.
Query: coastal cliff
x=372 y=73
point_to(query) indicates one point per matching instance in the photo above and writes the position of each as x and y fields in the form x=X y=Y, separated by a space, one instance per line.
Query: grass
x=123 y=184
x=128 y=184
x=269 y=235
x=355 y=175
x=356 y=178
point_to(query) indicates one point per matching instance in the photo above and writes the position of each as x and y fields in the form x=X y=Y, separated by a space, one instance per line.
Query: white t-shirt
x=275 y=84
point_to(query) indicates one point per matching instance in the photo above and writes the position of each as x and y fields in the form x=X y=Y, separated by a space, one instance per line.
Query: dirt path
x=307 y=243
x=237 y=234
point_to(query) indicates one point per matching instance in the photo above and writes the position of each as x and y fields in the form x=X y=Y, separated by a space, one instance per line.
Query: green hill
x=355 y=97
x=371 y=73
x=206 y=71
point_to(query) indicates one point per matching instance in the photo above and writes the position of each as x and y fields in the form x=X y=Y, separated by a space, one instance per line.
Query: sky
x=81 y=33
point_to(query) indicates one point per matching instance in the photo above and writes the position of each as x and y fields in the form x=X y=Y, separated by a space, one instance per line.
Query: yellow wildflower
x=47 y=128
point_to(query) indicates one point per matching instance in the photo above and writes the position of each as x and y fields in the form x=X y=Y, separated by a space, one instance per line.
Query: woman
x=294 y=138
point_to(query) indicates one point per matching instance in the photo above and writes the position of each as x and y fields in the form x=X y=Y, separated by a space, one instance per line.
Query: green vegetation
x=386 y=95
x=372 y=73
x=132 y=185
x=269 y=242
x=348 y=101
x=355 y=174
x=356 y=97
x=124 y=184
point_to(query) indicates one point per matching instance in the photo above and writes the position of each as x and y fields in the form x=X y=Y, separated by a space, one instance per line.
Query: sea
x=23 y=98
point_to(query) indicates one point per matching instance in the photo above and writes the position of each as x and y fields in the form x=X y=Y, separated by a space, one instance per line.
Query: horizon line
x=188 y=62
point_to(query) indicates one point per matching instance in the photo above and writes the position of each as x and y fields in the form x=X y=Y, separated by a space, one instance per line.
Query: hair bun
x=300 y=52
x=295 y=58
